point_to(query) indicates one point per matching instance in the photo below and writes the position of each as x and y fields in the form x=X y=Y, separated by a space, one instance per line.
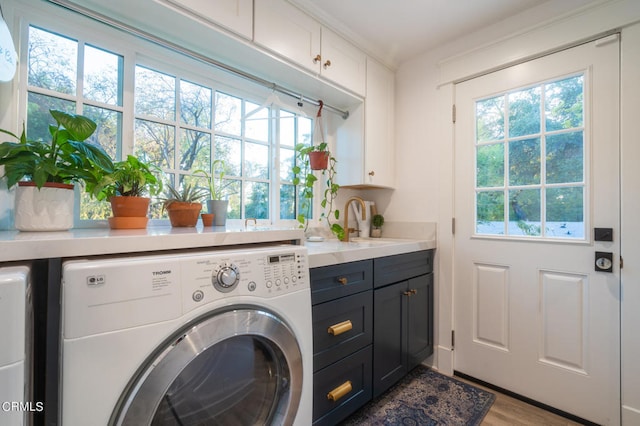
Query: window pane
x=229 y=151
x=195 y=150
x=490 y=166
x=565 y=158
x=53 y=61
x=256 y=200
x=257 y=125
x=524 y=162
x=228 y=114
x=102 y=72
x=155 y=94
x=234 y=188
x=490 y=212
x=287 y=129
x=565 y=212
x=195 y=105
x=39 y=118
x=92 y=209
x=155 y=143
x=524 y=112
x=256 y=164
x=287 y=161
x=564 y=104
x=305 y=130
x=287 y=201
x=109 y=128
x=524 y=212
x=490 y=119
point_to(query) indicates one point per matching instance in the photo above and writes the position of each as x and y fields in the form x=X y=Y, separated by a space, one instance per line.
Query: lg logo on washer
x=95 y=280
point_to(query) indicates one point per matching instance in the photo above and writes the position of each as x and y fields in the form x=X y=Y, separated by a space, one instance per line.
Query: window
x=180 y=123
x=530 y=161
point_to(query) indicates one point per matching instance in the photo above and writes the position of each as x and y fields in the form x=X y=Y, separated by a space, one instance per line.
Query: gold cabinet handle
x=317 y=59
x=372 y=173
x=327 y=64
x=411 y=292
x=343 y=280
x=340 y=391
x=341 y=327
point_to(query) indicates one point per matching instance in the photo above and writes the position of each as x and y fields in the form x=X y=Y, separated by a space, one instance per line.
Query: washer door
x=241 y=367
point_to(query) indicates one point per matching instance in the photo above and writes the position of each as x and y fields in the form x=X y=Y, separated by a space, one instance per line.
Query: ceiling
x=396 y=31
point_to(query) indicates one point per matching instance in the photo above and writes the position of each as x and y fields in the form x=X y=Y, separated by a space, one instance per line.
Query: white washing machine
x=217 y=338
x=13 y=331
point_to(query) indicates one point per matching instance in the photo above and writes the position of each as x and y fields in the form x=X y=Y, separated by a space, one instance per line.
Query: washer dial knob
x=226 y=277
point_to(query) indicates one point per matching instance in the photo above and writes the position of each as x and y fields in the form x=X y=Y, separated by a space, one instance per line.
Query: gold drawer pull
x=340 y=328
x=343 y=280
x=340 y=391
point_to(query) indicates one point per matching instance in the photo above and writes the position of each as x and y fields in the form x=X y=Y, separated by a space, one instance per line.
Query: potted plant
x=215 y=204
x=377 y=221
x=125 y=188
x=329 y=194
x=183 y=205
x=46 y=171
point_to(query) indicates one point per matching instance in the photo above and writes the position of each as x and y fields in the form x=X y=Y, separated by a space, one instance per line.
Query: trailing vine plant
x=303 y=175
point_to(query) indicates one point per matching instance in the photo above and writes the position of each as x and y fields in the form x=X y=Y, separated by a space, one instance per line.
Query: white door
x=537 y=169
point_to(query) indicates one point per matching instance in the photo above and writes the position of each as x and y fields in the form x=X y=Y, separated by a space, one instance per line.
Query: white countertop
x=17 y=246
x=331 y=252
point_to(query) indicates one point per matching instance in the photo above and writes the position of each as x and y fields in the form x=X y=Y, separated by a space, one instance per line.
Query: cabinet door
x=379 y=153
x=389 y=336
x=419 y=320
x=285 y=29
x=342 y=62
x=236 y=15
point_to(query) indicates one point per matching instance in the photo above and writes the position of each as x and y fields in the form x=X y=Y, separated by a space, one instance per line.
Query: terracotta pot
x=318 y=160
x=207 y=219
x=184 y=214
x=124 y=222
x=49 y=208
x=129 y=206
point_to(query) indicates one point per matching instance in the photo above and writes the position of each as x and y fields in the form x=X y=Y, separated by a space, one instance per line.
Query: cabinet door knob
x=327 y=64
x=406 y=293
x=341 y=327
x=343 y=280
x=340 y=391
x=372 y=173
x=317 y=59
x=414 y=291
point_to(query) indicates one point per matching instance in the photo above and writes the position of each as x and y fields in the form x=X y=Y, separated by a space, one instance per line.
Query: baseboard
x=630 y=416
x=444 y=360
x=529 y=401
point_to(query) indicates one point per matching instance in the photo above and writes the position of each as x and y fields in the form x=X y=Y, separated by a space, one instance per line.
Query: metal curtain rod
x=190 y=53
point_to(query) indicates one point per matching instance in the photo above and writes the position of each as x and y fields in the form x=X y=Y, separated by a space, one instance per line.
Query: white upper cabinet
x=379 y=130
x=285 y=29
x=235 y=15
x=365 y=141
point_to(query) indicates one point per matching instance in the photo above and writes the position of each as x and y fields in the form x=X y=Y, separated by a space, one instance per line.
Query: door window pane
x=490 y=119
x=490 y=165
x=564 y=104
x=524 y=112
x=565 y=157
x=524 y=162
x=490 y=212
x=565 y=212
x=524 y=212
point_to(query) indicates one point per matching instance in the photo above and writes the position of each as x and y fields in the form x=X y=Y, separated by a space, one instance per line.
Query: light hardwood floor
x=508 y=411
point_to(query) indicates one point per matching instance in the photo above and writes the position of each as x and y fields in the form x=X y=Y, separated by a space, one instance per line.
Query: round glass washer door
x=239 y=367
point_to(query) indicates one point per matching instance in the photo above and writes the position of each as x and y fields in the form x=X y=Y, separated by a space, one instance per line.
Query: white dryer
x=217 y=338
x=13 y=327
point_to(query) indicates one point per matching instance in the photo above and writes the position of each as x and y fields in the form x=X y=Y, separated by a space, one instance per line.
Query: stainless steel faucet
x=348 y=230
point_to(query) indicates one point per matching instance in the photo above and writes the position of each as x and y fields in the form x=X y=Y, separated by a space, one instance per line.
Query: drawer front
x=355 y=369
x=332 y=282
x=393 y=269
x=341 y=327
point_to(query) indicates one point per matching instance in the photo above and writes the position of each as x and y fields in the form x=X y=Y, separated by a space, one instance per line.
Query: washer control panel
x=261 y=272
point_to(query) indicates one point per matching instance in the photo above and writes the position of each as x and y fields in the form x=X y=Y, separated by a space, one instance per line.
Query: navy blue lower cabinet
x=402 y=319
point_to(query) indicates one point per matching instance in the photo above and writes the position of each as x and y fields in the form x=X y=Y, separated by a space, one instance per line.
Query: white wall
x=424 y=132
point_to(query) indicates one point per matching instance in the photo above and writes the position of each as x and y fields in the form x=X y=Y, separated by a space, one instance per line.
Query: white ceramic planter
x=49 y=208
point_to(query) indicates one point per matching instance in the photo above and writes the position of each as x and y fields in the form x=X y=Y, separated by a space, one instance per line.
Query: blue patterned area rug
x=425 y=397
